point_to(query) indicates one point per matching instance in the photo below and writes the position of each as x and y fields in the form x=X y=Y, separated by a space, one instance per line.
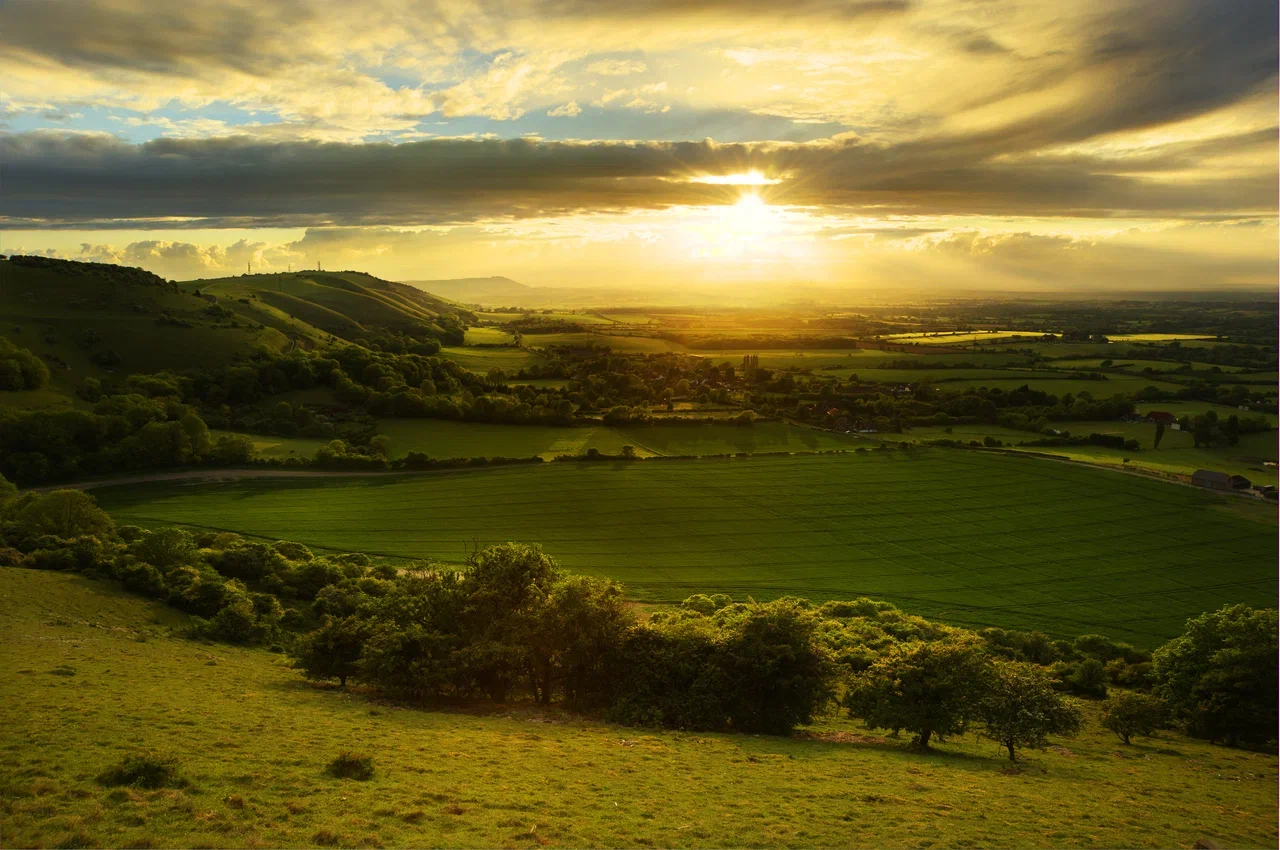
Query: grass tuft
x=349 y=765
x=145 y=770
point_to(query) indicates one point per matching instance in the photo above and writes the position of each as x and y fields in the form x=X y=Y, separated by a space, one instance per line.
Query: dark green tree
x=931 y=689
x=1219 y=677
x=332 y=651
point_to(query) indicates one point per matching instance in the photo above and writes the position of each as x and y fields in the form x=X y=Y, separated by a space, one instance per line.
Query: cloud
x=566 y=110
x=617 y=67
x=55 y=179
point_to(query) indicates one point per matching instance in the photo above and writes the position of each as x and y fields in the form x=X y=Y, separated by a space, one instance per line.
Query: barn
x=1212 y=480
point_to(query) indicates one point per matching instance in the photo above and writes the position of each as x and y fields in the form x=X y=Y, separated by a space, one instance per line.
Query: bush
x=349 y=765
x=145 y=770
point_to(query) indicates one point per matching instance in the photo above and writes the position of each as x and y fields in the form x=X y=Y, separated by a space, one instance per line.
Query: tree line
x=512 y=624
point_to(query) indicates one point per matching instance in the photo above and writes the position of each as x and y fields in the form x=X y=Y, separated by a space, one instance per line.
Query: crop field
x=958 y=337
x=968 y=537
x=624 y=344
x=1157 y=337
x=442 y=439
x=97 y=674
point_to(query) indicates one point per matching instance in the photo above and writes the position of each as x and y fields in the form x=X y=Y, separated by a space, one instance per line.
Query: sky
x=937 y=144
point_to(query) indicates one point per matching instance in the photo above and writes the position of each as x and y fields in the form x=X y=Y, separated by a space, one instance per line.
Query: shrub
x=144 y=770
x=142 y=578
x=349 y=765
x=293 y=551
x=66 y=513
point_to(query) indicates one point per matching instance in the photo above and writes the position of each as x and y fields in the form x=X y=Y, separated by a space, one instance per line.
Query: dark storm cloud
x=74 y=179
x=175 y=38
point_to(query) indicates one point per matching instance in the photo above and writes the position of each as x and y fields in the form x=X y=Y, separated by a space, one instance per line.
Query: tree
x=196 y=441
x=332 y=651
x=1021 y=708
x=1219 y=677
x=930 y=689
x=778 y=677
x=1130 y=713
x=1159 y=435
x=8 y=493
x=66 y=513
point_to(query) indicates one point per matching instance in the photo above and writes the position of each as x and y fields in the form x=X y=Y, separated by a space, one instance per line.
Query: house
x=1239 y=482
x=1212 y=480
x=1161 y=416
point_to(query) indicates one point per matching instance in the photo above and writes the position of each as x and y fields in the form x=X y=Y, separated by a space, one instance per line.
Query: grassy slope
x=317 y=303
x=966 y=537
x=38 y=300
x=254 y=739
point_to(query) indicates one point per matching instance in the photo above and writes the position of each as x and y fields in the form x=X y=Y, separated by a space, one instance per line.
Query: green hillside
x=969 y=538
x=95 y=320
x=95 y=675
x=343 y=304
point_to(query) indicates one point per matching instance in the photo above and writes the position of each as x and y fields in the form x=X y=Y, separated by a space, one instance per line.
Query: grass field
x=444 y=439
x=968 y=537
x=731 y=439
x=481 y=360
x=1195 y=408
x=1132 y=365
x=488 y=336
x=1177 y=453
x=278 y=447
x=253 y=740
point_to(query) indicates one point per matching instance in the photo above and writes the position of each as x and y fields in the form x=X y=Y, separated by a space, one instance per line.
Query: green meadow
x=972 y=538
x=715 y=439
x=96 y=675
x=441 y=438
x=1177 y=454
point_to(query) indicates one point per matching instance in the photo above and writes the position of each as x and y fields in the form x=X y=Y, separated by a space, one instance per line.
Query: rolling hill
x=97 y=319
x=320 y=305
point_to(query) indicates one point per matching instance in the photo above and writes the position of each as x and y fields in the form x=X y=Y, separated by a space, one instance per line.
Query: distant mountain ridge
x=476 y=290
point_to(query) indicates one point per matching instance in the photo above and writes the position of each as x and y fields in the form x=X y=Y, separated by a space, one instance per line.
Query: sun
x=742 y=230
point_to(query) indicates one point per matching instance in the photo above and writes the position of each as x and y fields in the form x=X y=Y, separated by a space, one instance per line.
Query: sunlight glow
x=750 y=178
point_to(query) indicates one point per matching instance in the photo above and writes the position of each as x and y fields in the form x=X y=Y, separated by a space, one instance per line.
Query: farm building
x=1239 y=482
x=1161 y=416
x=1212 y=480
